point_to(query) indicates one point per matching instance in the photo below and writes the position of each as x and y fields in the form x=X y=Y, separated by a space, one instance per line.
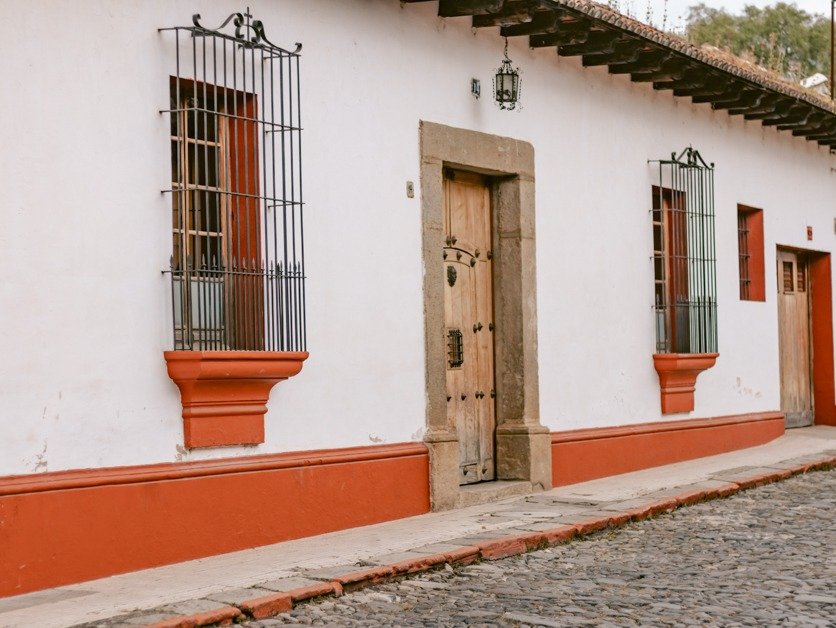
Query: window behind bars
x=237 y=265
x=685 y=293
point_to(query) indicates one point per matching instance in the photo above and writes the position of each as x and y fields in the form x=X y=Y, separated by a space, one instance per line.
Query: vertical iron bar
x=676 y=278
x=693 y=252
x=247 y=201
x=217 y=295
x=302 y=204
x=191 y=218
x=694 y=260
x=713 y=267
x=286 y=266
x=293 y=203
x=264 y=255
x=178 y=194
x=203 y=215
x=661 y=263
x=237 y=293
x=692 y=203
x=275 y=210
x=699 y=267
x=224 y=202
x=253 y=209
x=684 y=287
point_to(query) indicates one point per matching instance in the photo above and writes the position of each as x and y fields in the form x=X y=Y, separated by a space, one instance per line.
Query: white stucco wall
x=85 y=230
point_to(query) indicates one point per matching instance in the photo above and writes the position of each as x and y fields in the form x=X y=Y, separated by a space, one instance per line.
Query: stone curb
x=494 y=549
x=222 y=616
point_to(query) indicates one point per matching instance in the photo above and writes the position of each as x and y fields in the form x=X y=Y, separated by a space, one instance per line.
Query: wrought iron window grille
x=684 y=260
x=743 y=255
x=238 y=260
x=455 y=348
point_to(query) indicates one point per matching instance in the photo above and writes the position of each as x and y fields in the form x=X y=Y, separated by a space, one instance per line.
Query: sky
x=678 y=9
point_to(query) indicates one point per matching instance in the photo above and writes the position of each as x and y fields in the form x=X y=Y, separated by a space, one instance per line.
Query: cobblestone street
x=762 y=557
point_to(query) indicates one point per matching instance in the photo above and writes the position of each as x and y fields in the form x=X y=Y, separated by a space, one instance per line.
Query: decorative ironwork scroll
x=243 y=23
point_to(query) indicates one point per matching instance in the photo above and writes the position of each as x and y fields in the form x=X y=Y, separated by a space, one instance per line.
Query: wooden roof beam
x=811 y=121
x=645 y=58
x=823 y=131
x=698 y=80
x=512 y=12
x=767 y=104
x=689 y=77
x=671 y=68
x=568 y=31
x=541 y=23
x=713 y=86
x=458 y=8
x=596 y=42
x=621 y=50
x=731 y=94
x=798 y=113
x=780 y=108
x=747 y=97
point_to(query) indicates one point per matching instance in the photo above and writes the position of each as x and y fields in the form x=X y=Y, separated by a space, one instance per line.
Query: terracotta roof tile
x=713 y=57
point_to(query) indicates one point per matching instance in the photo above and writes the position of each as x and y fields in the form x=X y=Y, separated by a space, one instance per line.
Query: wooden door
x=794 y=339
x=468 y=320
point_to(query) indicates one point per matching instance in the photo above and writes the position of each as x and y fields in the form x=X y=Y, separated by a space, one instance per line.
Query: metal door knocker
x=451 y=276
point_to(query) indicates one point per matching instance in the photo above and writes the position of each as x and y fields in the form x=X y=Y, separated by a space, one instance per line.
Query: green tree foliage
x=781 y=38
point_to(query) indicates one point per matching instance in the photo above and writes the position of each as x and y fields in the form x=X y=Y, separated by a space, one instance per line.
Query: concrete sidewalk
x=268 y=580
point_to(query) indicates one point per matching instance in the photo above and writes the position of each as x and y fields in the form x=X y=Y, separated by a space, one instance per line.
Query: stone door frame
x=523 y=445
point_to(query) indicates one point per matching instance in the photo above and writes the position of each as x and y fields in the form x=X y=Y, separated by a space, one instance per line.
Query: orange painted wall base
x=66 y=527
x=581 y=455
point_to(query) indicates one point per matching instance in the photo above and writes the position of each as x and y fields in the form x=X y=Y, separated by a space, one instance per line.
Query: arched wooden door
x=468 y=320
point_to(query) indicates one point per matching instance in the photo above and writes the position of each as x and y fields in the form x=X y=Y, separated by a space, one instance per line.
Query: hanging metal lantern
x=506 y=84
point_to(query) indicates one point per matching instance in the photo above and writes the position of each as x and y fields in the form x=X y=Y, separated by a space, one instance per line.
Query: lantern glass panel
x=504 y=87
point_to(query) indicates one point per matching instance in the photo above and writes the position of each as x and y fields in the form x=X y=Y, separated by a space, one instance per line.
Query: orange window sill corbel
x=224 y=393
x=678 y=374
